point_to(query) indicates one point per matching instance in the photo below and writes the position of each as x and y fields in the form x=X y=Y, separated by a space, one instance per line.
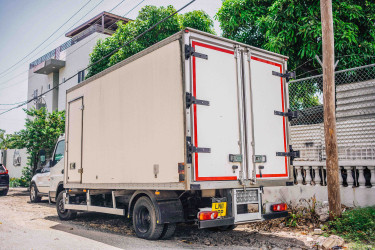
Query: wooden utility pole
x=333 y=184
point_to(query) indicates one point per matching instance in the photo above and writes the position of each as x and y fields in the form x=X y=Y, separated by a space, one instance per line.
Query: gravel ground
x=17 y=212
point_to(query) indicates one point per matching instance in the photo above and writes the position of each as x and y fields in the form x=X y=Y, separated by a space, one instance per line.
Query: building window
x=35 y=94
x=81 y=76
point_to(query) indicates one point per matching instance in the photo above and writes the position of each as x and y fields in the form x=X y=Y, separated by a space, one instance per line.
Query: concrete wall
x=15 y=161
x=351 y=197
x=76 y=58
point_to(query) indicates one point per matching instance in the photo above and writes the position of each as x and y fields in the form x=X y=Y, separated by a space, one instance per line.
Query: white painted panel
x=75 y=140
x=215 y=126
x=269 y=130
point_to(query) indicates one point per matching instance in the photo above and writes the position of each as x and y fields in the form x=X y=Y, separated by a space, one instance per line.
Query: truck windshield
x=59 y=151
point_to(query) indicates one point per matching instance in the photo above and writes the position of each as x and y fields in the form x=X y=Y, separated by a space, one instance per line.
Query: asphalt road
x=25 y=225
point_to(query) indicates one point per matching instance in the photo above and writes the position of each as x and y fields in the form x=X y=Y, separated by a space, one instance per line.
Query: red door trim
x=282 y=104
x=197 y=177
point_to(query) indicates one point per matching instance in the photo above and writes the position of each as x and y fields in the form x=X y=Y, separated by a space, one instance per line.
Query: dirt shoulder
x=115 y=231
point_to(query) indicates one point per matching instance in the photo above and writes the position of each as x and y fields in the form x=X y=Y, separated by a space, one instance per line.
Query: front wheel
x=144 y=220
x=64 y=214
x=4 y=192
x=34 y=195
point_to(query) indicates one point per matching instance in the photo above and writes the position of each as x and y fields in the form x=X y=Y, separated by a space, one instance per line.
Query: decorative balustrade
x=349 y=176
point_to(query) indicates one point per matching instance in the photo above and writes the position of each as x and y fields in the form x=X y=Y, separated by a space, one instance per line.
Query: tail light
x=279 y=207
x=181 y=172
x=3 y=169
x=208 y=215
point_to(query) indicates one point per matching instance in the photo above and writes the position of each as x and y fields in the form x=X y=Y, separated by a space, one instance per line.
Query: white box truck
x=189 y=130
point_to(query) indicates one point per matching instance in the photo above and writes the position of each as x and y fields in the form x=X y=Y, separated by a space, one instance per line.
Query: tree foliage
x=42 y=129
x=147 y=17
x=293 y=28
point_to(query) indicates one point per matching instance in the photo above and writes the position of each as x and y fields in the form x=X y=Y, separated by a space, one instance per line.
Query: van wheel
x=144 y=220
x=34 y=195
x=168 y=231
x=4 y=192
x=64 y=214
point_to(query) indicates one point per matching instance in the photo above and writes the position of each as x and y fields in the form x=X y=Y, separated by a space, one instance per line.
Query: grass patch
x=18 y=182
x=356 y=225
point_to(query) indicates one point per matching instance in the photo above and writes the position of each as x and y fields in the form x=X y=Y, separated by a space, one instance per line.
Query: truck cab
x=48 y=180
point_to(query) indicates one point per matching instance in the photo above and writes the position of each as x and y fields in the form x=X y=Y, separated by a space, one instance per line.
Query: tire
x=144 y=220
x=34 y=195
x=64 y=214
x=168 y=231
x=4 y=192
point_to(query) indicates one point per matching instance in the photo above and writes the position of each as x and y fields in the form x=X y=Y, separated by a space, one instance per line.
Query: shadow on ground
x=188 y=235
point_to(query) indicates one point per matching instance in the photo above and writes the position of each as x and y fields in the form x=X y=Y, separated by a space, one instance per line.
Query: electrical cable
x=55 y=40
x=126 y=44
x=59 y=37
x=47 y=37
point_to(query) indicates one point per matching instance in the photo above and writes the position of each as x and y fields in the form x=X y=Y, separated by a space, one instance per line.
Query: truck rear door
x=215 y=127
x=265 y=93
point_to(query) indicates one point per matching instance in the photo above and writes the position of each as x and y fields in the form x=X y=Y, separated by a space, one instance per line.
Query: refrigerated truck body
x=190 y=129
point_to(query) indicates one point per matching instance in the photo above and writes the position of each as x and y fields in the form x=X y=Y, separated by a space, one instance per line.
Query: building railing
x=349 y=176
x=55 y=53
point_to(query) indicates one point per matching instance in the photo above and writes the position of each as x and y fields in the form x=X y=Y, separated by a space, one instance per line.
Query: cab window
x=59 y=152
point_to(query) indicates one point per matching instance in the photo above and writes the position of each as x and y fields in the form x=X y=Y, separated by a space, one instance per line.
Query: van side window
x=59 y=154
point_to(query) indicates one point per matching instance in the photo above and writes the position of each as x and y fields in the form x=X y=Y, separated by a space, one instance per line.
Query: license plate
x=220 y=207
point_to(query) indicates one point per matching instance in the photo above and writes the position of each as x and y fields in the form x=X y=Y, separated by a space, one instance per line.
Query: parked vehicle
x=4 y=180
x=48 y=180
x=189 y=130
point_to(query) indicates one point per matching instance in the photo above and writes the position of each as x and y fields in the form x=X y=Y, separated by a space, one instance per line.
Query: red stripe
x=283 y=109
x=212 y=47
x=222 y=178
x=197 y=178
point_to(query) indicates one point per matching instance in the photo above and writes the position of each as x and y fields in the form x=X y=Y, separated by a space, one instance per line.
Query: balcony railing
x=55 y=53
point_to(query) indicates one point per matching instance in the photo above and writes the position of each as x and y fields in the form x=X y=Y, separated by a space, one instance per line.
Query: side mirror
x=42 y=156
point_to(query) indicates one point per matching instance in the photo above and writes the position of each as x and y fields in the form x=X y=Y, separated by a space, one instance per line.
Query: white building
x=66 y=60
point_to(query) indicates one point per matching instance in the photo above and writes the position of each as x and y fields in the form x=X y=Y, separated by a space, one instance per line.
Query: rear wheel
x=144 y=220
x=34 y=195
x=4 y=192
x=64 y=214
x=168 y=231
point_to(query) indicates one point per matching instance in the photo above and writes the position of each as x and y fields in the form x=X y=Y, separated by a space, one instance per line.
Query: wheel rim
x=32 y=193
x=61 y=206
x=143 y=220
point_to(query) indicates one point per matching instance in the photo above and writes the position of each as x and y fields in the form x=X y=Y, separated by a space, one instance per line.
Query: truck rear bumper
x=275 y=215
x=216 y=223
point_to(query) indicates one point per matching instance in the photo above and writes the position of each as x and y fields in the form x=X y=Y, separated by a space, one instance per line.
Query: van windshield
x=59 y=154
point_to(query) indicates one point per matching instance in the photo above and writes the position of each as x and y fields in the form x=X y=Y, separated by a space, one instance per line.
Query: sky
x=26 y=24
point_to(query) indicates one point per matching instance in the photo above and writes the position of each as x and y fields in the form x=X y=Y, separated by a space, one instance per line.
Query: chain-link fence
x=355 y=115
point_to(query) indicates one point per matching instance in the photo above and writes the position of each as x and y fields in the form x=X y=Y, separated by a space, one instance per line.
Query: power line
x=47 y=38
x=60 y=36
x=126 y=44
x=52 y=42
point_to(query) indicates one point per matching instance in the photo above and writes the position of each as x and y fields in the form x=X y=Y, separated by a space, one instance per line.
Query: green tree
x=147 y=17
x=42 y=129
x=293 y=28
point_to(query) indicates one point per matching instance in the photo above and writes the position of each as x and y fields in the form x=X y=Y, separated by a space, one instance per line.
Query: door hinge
x=80 y=171
x=192 y=149
x=190 y=51
x=290 y=114
x=82 y=107
x=190 y=99
x=292 y=154
x=288 y=75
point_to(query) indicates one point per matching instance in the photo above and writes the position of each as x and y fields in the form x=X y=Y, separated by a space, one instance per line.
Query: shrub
x=356 y=225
